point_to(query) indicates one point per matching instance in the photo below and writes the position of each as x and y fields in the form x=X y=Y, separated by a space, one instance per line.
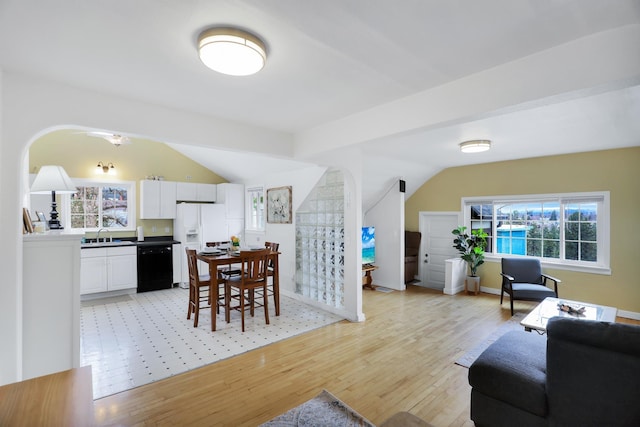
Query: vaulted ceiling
x=396 y=83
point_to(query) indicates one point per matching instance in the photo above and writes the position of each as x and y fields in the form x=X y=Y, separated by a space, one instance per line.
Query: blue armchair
x=522 y=279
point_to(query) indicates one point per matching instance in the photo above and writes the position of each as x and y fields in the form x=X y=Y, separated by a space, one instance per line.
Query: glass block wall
x=320 y=242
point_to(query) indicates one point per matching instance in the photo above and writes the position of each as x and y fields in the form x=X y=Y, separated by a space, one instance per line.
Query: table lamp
x=53 y=179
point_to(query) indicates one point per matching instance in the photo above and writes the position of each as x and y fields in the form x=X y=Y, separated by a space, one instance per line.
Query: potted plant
x=471 y=248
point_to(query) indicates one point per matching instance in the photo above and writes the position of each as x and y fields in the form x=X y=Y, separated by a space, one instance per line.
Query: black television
x=368 y=245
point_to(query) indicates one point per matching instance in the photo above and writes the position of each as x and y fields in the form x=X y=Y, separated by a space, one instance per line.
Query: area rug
x=510 y=325
x=323 y=410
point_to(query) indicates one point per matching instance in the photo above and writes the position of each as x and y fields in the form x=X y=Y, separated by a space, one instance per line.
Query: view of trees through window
x=100 y=206
x=553 y=229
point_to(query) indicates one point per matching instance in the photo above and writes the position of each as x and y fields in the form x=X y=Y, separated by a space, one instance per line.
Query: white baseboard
x=621 y=313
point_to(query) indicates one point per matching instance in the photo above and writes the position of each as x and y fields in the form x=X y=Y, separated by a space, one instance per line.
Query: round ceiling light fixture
x=475 y=146
x=231 y=51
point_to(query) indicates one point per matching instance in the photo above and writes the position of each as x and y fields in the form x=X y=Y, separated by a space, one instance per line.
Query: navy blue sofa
x=582 y=373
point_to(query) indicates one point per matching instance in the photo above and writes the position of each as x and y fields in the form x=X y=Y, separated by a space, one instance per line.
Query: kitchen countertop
x=149 y=241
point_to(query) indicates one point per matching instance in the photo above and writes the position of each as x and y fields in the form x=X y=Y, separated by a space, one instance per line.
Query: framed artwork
x=279 y=205
x=26 y=219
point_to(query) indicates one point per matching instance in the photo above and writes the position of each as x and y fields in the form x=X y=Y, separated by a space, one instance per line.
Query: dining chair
x=253 y=276
x=273 y=286
x=199 y=296
x=523 y=279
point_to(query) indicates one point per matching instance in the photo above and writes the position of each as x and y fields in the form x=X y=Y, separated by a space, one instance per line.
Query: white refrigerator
x=194 y=225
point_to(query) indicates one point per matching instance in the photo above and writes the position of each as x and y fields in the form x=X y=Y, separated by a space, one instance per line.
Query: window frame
x=88 y=182
x=249 y=212
x=603 y=226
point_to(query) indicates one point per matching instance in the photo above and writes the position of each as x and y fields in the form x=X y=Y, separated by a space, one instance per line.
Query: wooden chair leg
x=242 y=307
x=196 y=310
x=190 y=302
x=265 y=302
x=227 y=302
x=511 y=299
x=276 y=296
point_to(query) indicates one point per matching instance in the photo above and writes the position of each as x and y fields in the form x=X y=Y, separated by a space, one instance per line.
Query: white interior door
x=436 y=246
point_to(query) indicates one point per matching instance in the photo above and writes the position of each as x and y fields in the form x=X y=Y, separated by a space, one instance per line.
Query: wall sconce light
x=475 y=146
x=108 y=168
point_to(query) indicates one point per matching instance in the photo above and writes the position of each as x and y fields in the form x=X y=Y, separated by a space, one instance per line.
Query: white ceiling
x=332 y=61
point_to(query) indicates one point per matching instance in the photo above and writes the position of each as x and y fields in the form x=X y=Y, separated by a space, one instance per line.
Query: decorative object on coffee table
x=551 y=307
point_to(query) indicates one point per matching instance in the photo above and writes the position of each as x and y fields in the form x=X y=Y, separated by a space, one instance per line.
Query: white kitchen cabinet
x=195 y=192
x=207 y=192
x=232 y=195
x=93 y=270
x=108 y=269
x=157 y=199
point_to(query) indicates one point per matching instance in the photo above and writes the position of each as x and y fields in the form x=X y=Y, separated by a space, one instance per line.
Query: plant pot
x=473 y=283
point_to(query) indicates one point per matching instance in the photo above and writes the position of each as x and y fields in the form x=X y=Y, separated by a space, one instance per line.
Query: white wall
x=387 y=216
x=31 y=107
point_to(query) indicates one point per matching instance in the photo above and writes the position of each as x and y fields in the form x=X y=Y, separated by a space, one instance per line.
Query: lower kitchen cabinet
x=108 y=269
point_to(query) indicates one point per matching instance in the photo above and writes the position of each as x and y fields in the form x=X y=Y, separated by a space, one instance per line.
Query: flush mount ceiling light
x=231 y=51
x=475 y=146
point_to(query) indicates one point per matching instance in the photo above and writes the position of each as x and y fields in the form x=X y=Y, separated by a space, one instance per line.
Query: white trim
x=621 y=313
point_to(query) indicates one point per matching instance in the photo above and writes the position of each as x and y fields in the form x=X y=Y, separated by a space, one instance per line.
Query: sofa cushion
x=593 y=373
x=513 y=370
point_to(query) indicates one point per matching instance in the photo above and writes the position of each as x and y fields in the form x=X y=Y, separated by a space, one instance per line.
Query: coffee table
x=539 y=316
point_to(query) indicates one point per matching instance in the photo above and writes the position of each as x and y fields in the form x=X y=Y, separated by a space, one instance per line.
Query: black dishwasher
x=155 y=267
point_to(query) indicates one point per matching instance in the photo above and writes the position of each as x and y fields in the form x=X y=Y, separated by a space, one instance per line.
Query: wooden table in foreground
x=548 y=308
x=367 y=280
x=227 y=259
x=61 y=399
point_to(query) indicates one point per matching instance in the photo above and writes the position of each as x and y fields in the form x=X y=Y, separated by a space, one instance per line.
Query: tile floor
x=136 y=339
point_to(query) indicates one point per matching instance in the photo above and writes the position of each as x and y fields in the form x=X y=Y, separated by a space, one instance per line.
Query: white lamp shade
x=52 y=178
x=231 y=51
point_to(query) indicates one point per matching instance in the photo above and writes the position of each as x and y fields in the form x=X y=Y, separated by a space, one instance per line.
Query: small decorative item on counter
x=235 y=241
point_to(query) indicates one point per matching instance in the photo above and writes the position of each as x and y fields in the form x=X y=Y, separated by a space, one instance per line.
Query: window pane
x=541 y=228
x=588 y=252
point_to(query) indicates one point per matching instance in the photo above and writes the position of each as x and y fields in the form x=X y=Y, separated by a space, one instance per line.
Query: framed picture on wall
x=27 y=224
x=279 y=205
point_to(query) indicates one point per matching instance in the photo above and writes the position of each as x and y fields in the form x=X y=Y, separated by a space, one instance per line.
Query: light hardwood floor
x=400 y=359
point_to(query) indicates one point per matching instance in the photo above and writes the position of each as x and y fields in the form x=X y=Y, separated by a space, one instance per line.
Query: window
x=255 y=206
x=96 y=205
x=569 y=230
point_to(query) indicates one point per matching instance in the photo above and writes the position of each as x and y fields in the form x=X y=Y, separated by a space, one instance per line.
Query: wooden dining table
x=216 y=260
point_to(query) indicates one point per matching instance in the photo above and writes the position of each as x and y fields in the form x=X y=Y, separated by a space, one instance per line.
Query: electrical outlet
x=188 y=177
x=166 y=229
x=154 y=229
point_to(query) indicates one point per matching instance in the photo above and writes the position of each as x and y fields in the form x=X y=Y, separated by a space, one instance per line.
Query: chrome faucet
x=98 y=235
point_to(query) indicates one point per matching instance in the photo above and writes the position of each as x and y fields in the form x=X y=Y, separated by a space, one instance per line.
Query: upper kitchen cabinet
x=195 y=192
x=232 y=195
x=157 y=199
